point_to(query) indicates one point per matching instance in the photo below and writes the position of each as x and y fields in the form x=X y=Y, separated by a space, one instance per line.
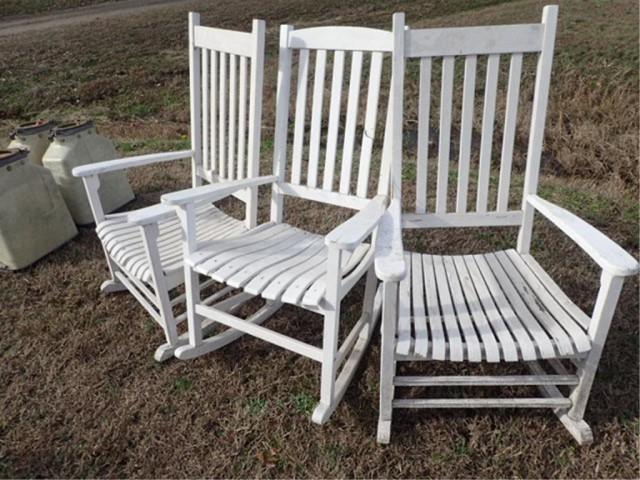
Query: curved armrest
x=351 y=233
x=611 y=257
x=152 y=214
x=389 y=263
x=211 y=193
x=129 y=162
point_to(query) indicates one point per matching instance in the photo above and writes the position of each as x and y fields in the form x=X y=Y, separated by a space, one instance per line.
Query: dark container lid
x=69 y=129
x=33 y=128
x=12 y=155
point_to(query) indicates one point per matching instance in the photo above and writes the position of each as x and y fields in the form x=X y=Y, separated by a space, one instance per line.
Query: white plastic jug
x=34 y=219
x=34 y=137
x=79 y=144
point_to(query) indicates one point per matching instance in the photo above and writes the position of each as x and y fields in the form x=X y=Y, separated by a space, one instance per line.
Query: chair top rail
x=342 y=38
x=440 y=42
x=227 y=41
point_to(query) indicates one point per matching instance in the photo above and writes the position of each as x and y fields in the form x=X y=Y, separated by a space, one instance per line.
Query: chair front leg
x=328 y=400
x=150 y=233
x=387 y=359
x=608 y=295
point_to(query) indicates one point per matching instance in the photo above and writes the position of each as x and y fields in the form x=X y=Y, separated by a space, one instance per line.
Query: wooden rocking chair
x=492 y=307
x=284 y=264
x=144 y=247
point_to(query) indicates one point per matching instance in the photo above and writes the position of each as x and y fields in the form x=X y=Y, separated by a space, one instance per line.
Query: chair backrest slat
x=350 y=122
x=301 y=106
x=424 y=108
x=370 y=120
x=316 y=118
x=466 y=129
x=334 y=120
x=324 y=162
x=486 y=51
x=486 y=141
x=242 y=118
x=444 y=142
x=508 y=139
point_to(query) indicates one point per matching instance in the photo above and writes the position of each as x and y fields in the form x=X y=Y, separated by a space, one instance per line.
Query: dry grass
x=81 y=395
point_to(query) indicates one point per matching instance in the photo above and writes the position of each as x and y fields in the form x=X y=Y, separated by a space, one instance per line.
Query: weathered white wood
x=403 y=344
x=352 y=233
x=228 y=41
x=486 y=142
x=422 y=160
x=282 y=120
x=205 y=110
x=605 y=252
x=370 y=120
x=194 y=99
x=301 y=106
x=129 y=162
x=242 y=118
x=350 y=122
x=222 y=120
x=470 y=219
x=498 y=380
x=474 y=40
x=418 y=306
x=474 y=353
x=387 y=360
x=233 y=105
x=389 y=262
x=342 y=38
x=444 y=142
x=331 y=198
x=483 y=403
x=316 y=118
x=508 y=138
x=213 y=113
x=536 y=130
x=466 y=129
x=334 y=119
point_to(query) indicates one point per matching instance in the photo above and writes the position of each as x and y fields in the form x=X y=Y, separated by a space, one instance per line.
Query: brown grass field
x=80 y=394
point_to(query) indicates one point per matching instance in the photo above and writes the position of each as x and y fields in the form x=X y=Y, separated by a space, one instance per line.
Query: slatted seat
x=492 y=307
x=125 y=243
x=277 y=261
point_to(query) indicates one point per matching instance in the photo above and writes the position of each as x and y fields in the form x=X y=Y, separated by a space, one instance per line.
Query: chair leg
x=328 y=402
x=167 y=350
x=111 y=285
x=387 y=361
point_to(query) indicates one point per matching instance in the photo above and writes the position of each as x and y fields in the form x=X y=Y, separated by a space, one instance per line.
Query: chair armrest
x=211 y=193
x=129 y=162
x=351 y=233
x=152 y=214
x=611 y=257
x=389 y=257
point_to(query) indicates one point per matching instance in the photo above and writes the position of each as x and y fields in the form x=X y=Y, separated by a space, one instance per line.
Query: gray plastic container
x=79 y=144
x=34 y=219
x=34 y=137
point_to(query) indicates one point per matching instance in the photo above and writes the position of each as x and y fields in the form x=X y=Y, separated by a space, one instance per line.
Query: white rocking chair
x=493 y=307
x=284 y=264
x=143 y=247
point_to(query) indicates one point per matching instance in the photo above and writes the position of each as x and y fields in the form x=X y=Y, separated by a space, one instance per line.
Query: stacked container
x=79 y=144
x=34 y=219
x=33 y=137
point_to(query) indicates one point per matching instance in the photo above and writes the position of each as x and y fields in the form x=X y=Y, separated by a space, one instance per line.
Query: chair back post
x=255 y=118
x=536 y=134
x=391 y=177
x=195 y=100
x=282 y=120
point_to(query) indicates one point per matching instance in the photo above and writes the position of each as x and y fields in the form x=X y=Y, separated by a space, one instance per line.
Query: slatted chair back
x=327 y=150
x=226 y=76
x=446 y=199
